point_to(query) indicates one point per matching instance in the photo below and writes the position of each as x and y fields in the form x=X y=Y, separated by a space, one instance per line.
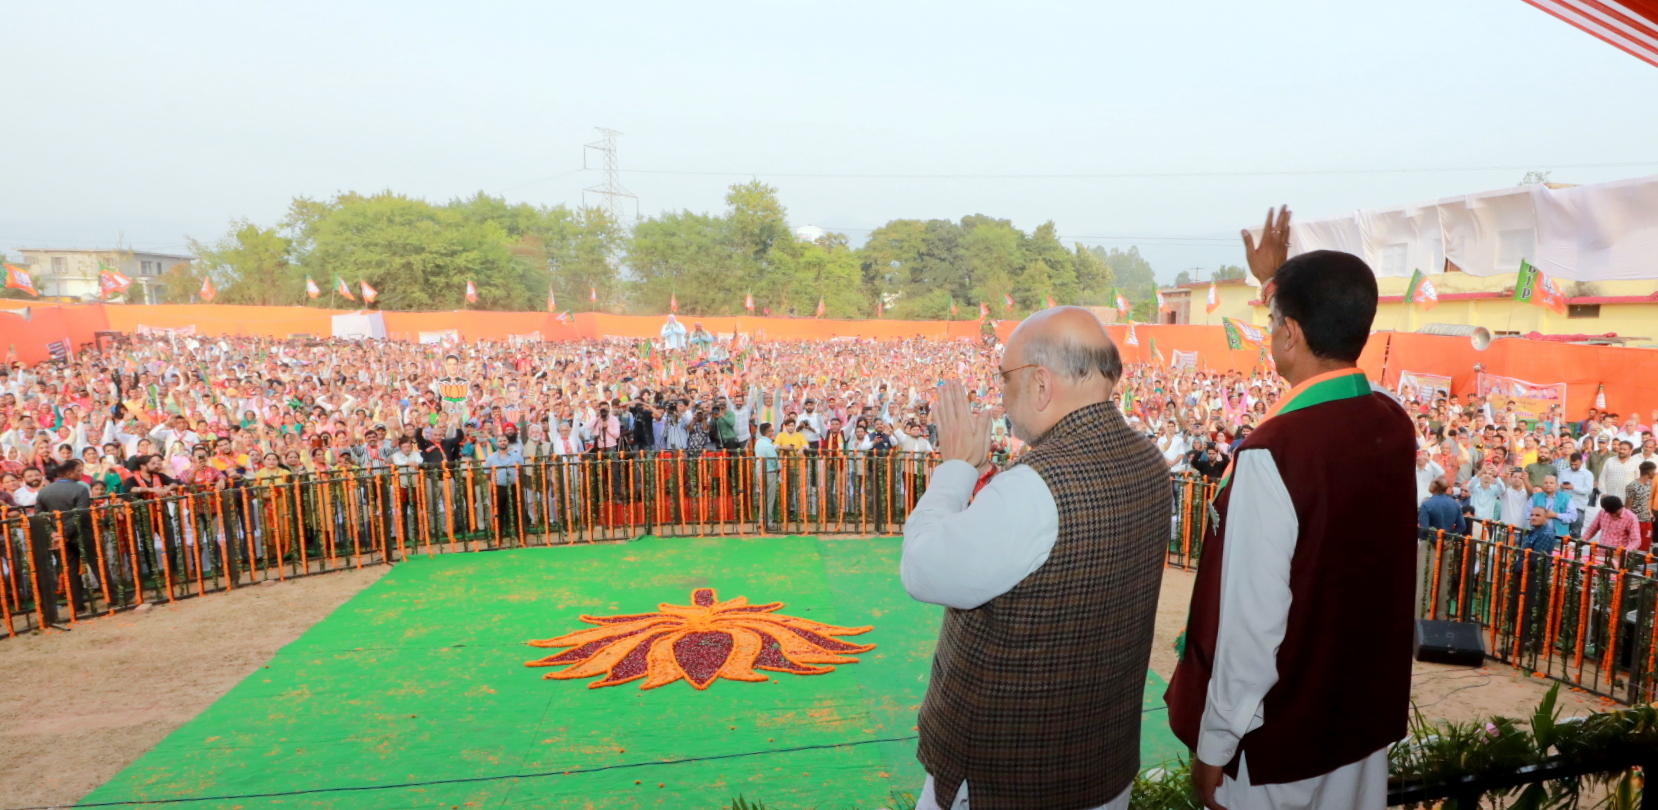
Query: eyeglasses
x=1003 y=374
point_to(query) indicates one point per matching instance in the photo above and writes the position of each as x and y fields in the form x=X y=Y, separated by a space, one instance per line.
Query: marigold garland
x=699 y=643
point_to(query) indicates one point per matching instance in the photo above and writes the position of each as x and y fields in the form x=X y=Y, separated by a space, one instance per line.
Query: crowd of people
x=1591 y=479
x=165 y=415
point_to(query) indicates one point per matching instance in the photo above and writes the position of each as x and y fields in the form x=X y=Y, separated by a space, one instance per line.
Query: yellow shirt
x=791 y=441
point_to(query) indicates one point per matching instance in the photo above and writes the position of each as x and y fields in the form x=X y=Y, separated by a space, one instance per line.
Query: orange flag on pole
x=18 y=279
x=471 y=292
x=207 y=291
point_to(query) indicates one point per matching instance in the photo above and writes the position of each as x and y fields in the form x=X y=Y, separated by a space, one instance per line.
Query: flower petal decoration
x=699 y=643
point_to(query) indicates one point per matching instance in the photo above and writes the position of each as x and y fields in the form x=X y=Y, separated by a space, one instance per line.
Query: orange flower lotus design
x=700 y=642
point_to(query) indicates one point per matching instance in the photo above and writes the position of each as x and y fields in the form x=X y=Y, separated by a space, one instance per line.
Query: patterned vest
x=1036 y=696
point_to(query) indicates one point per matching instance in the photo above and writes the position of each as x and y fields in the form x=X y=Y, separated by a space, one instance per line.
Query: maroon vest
x=1344 y=667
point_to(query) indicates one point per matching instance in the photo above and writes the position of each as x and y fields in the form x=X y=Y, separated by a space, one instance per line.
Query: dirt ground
x=78 y=706
x=112 y=688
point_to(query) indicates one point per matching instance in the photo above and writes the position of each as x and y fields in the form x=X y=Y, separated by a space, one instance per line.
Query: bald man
x=1049 y=577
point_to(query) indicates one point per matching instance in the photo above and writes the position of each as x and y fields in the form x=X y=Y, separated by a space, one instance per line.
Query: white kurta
x=962 y=555
x=1261 y=528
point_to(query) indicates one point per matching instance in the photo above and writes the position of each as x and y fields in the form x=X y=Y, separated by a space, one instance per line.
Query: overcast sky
x=156 y=121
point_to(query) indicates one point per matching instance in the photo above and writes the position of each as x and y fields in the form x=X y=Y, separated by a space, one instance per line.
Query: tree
x=418 y=255
x=250 y=266
x=180 y=284
x=1228 y=272
x=1534 y=177
x=1094 y=277
x=1133 y=274
x=1183 y=277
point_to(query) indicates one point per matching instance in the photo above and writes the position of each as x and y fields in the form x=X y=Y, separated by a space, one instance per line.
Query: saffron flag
x=1600 y=397
x=1132 y=339
x=565 y=317
x=552 y=303
x=748 y=302
x=369 y=293
x=1421 y=290
x=343 y=290
x=880 y=307
x=1007 y=298
x=1051 y=303
x=207 y=292
x=820 y=309
x=18 y=279
x=1239 y=334
x=984 y=311
x=1214 y=299
x=953 y=311
x=1534 y=287
x=471 y=292
x=1162 y=305
x=593 y=294
x=311 y=288
x=1156 y=356
x=111 y=282
x=1123 y=306
x=673 y=302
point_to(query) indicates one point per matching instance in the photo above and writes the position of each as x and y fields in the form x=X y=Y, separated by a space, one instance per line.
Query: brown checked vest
x=1036 y=696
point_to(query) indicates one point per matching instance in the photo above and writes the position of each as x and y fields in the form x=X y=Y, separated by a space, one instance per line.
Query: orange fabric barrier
x=1630 y=375
x=224 y=319
x=599 y=325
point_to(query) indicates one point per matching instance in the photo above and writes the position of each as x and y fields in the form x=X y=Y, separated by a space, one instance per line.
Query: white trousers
x=925 y=800
x=1360 y=785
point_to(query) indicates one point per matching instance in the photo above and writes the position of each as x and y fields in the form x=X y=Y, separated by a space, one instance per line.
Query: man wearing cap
x=1295 y=677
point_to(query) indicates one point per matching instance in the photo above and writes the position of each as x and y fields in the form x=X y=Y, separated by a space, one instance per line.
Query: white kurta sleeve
x=1261 y=527
x=963 y=555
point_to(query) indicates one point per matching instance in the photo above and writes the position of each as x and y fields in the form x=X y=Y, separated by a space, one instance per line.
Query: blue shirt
x=505 y=465
x=1562 y=506
x=1540 y=541
x=1441 y=512
x=765 y=449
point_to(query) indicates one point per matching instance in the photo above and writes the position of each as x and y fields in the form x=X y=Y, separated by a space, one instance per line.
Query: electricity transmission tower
x=611 y=189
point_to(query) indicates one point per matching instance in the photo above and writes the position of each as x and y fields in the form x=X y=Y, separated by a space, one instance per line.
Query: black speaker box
x=1455 y=643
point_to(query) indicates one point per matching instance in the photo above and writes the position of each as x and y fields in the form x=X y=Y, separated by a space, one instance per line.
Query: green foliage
x=1183 y=277
x=1132 y=274
x=1228 y=272
x=1165 y=788
x=420 y=255
x=250 y=266
x=179 y=285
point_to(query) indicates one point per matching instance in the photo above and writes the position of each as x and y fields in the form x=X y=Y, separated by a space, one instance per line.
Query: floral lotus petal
x=699 y=643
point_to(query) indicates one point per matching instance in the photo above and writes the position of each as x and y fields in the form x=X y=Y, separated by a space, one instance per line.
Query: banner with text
x=1414 y=386
x=1531 y=400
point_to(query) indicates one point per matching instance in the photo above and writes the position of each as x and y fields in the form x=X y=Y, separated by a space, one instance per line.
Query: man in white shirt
x=1617 y=472
x=1516 y=502
x=1174 y=446
x=1069 y=541
x=1426 y=471
x=1579 y=483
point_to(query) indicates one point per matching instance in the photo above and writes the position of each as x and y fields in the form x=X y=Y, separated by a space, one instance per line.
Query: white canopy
x=1597 y=232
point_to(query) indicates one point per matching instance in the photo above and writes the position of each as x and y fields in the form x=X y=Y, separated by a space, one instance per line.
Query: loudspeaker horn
x=1480 y=337
x=22 y=312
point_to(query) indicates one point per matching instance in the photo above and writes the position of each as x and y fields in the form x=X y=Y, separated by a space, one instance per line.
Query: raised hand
x=1274 y=249
x=962 y=434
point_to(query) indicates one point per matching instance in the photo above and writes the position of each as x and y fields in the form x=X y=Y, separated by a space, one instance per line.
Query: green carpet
x=415 y=695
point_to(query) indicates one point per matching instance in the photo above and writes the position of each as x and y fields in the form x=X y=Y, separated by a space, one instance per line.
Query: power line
x=1139 y=175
